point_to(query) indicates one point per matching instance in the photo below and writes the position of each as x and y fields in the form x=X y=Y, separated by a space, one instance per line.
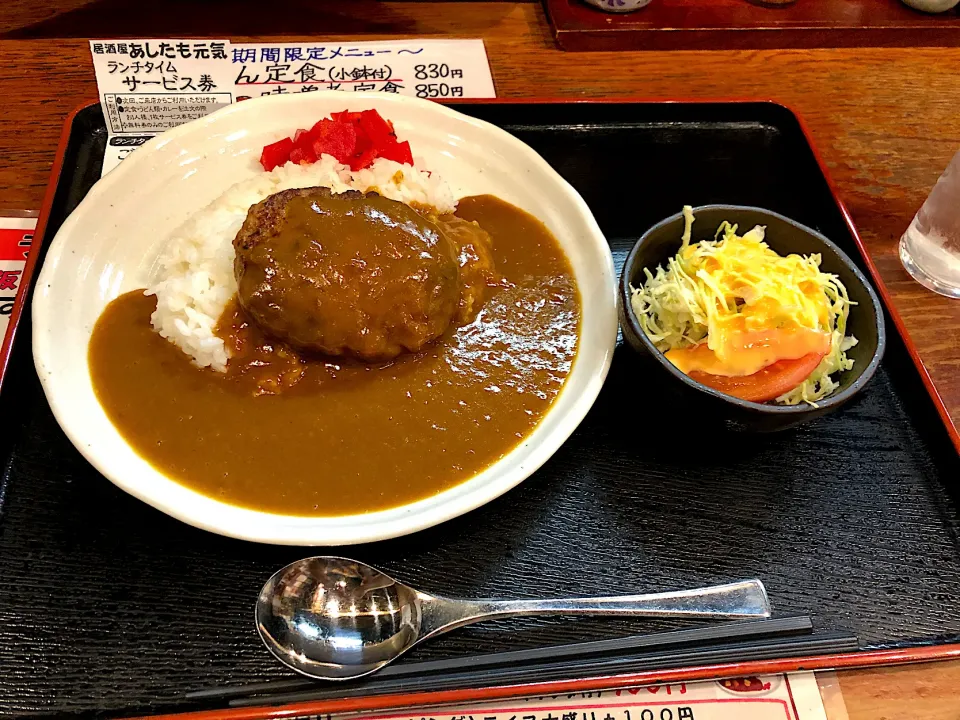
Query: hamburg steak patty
x=346 y=274
x=475 y=257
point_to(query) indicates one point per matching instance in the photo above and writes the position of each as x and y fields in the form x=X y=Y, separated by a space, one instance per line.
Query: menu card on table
x=795 y=696
x=148 y=86
x=16 y=234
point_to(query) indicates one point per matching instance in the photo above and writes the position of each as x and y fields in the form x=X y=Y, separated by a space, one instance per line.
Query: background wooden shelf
x=738 y=24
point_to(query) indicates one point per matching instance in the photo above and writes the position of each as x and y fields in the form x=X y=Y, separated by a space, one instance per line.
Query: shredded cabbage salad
x=707 y=283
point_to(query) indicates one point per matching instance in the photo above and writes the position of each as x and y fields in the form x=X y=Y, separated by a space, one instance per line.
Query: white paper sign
x=148 y=86
x=768 y=697
x=423 y=68
x=16 y=235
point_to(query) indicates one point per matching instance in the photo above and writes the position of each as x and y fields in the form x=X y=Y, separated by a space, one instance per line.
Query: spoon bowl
x=337 y=616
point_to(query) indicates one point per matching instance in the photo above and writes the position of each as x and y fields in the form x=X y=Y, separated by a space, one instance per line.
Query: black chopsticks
x=727 y=642
x=827 y=643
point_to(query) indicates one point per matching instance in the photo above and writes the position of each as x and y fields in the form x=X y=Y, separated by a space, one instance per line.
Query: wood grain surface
x=911 y=692
x=885 y=121
x=728 y=24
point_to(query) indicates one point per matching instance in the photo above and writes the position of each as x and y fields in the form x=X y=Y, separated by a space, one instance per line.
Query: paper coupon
x=148 y=86
x=16 y=235
x=767 y=697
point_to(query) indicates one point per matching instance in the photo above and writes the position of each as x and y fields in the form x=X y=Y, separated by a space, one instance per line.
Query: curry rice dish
x=377 y=352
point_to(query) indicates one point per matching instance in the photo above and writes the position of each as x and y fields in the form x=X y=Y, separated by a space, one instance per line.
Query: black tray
x=108 y=605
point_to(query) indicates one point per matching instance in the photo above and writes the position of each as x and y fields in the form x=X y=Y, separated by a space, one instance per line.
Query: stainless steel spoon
x=338 y=619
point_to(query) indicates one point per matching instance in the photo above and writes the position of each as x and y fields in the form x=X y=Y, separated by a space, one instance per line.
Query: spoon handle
x=745 y=599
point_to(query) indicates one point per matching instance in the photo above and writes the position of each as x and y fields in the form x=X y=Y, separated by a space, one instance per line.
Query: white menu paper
x=148 y=86
x=794 y=696
x=16 y=234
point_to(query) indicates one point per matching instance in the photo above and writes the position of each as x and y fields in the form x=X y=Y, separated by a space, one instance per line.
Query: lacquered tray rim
x=866 y=658
x=26 y=277
x=371 y=705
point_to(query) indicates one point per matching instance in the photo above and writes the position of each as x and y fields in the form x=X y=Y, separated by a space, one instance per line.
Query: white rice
x=196 y=279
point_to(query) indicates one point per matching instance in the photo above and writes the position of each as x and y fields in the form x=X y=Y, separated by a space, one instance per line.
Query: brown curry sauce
x=336 y=437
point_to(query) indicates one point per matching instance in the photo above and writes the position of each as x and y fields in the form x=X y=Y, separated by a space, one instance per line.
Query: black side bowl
x=784 y=236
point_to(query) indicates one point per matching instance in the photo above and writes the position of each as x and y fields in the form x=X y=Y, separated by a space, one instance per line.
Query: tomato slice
x=745 y=353
x=764 y=385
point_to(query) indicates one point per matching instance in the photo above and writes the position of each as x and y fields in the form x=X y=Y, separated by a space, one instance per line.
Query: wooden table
x=910 y=692
x=885 y=120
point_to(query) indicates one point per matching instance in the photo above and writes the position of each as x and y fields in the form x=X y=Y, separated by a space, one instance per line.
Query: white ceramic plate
x=111 y=242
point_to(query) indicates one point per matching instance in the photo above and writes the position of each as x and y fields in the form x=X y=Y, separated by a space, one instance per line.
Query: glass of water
x=930 y=248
